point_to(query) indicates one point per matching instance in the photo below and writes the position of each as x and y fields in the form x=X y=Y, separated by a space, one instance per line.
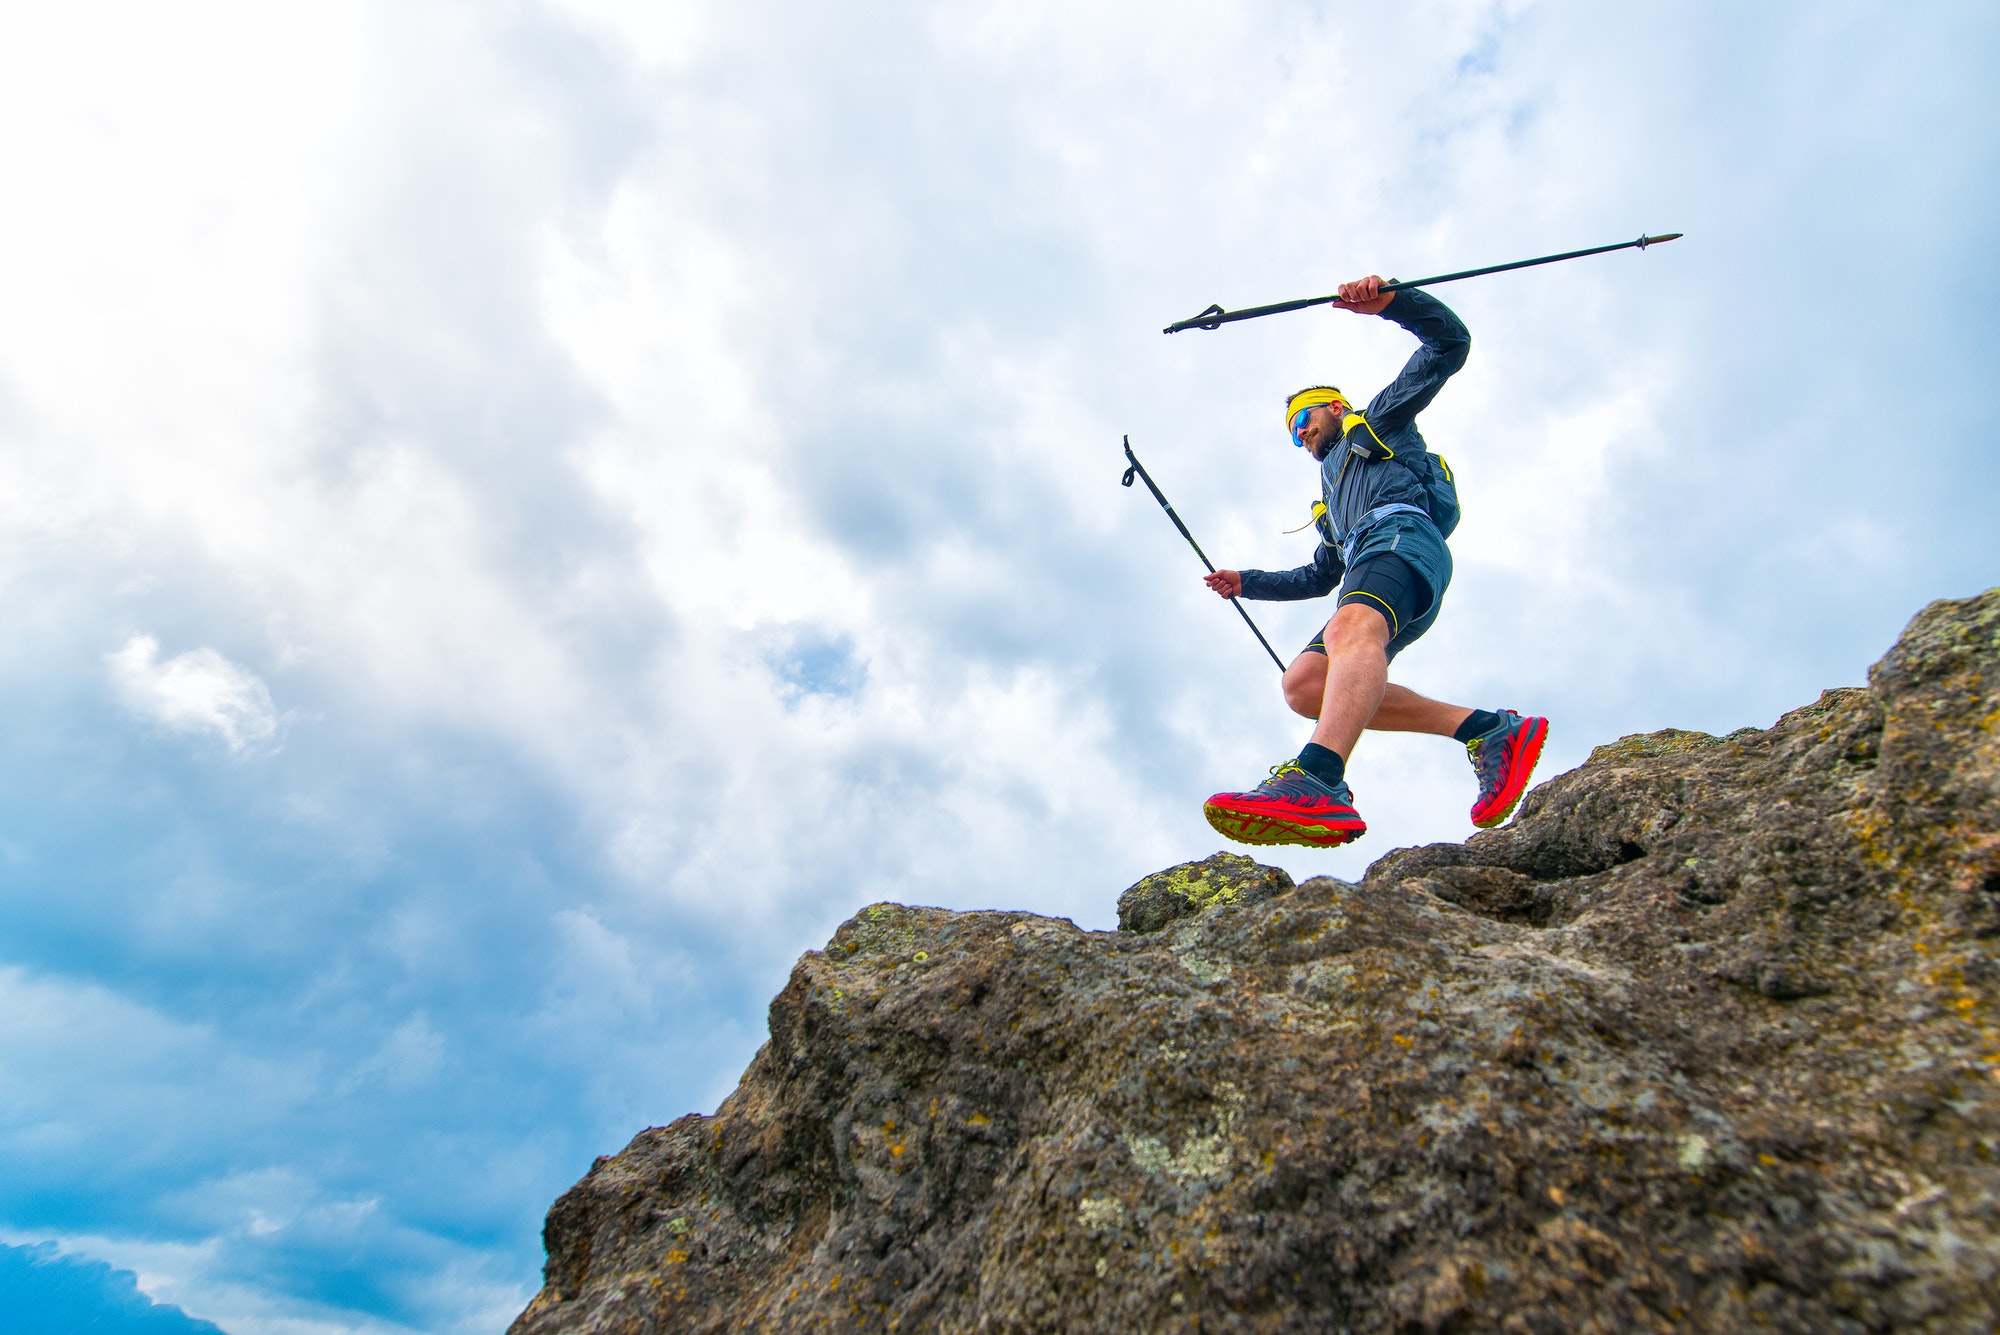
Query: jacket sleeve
x=1287 y=586
x=1445 y=344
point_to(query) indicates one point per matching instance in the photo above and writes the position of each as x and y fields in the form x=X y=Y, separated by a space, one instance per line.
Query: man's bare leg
x=1357 y=676
x=1401 y=710
x=1304 y=801
x=1504 y=765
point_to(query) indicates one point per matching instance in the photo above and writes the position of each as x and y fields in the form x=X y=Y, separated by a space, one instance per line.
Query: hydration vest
x=1432 y=472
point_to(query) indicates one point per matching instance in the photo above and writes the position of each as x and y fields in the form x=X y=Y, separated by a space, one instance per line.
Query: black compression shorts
x=1390 y=585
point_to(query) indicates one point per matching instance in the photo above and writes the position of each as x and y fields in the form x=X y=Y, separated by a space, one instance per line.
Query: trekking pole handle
x=1215 y=317
x=1140 y=470
x=1165 y=504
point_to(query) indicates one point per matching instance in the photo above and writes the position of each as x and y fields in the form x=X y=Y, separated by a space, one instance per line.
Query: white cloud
x=198 y=1278
x=199 y=691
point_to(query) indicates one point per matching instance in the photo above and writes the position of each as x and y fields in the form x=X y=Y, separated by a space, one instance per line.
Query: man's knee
x=1305 y=683
x=1358 y=623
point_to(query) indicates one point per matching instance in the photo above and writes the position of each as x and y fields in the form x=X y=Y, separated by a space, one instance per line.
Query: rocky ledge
x=1706 y=1039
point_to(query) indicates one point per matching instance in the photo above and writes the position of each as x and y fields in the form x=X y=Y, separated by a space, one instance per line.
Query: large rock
x=1706 y=1039
x=1178 y=892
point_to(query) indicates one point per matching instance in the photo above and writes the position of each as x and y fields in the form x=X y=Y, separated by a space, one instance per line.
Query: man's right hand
x=1226 y=583
x=1362 y=296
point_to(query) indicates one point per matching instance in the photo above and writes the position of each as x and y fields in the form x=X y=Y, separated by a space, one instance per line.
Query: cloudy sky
x=517 y=518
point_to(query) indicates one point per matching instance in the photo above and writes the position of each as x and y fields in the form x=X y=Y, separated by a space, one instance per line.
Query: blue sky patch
x=818 y=664
x=43 y=1293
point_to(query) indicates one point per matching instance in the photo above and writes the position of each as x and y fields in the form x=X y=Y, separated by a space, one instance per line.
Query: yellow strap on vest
x=1347 y=424
x=1355 y=419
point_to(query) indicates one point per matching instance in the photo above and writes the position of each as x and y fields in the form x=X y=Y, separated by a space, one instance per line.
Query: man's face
x=1322 y=428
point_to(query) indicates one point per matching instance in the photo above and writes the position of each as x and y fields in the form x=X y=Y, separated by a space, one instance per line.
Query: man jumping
x=1387 y=505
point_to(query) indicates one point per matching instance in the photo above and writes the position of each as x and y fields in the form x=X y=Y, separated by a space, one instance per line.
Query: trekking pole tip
x=1645 y=241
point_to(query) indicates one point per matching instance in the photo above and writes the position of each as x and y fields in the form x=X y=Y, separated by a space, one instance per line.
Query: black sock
x=1322 y=764
x=1477 y=722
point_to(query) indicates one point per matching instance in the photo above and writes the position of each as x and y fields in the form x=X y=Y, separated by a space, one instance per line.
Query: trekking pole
x=1167 y=505
x=1215 y=317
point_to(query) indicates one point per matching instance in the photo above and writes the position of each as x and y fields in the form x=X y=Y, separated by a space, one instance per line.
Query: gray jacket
x=1352 y=486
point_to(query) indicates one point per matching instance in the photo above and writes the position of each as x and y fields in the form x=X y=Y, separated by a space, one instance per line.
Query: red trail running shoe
x=1503 y=758
x=1293 y=806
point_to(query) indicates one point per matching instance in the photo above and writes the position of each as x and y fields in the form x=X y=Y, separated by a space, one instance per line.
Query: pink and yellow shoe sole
x=1259 y=823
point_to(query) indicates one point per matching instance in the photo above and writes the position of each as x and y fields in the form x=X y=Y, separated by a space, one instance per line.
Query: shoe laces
x=1487 y=761
x=1284 y=767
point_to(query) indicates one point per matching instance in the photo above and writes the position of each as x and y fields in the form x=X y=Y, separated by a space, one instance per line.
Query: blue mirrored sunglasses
x=1299 y=424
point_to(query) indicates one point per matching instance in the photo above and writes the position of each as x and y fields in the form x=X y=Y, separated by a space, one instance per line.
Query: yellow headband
x=1312 y=398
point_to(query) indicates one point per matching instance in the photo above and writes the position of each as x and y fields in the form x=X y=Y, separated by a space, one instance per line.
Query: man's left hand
x=1360 y=296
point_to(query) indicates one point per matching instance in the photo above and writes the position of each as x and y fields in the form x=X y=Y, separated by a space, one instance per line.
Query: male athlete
x=1387 y=505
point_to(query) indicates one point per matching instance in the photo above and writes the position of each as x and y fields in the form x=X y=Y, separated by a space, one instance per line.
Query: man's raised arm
x=1445 y=345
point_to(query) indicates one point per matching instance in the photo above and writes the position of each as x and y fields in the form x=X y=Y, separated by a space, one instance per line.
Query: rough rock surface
x=1221 y=878
x=1706 y=1039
